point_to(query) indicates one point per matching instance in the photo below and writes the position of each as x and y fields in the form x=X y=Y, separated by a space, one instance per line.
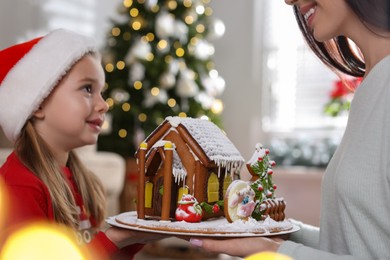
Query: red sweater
x=29 y=200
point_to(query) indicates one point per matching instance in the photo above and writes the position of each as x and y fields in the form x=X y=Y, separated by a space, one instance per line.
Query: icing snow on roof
x=212 y=140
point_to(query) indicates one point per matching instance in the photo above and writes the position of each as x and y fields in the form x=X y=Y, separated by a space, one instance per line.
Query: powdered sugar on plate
x=219 y=227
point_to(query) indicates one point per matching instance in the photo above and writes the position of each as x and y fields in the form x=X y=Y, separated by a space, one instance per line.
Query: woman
x=356 y=185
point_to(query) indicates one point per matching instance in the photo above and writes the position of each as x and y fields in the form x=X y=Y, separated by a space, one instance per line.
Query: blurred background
x=244 y=66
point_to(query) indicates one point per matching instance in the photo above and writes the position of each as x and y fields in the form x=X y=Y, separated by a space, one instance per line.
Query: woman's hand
x=125 y=237
x=241 y=247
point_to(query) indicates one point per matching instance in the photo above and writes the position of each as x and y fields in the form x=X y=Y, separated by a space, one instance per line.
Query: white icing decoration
x=212 y=140
x=259 y=153
x=216 y=225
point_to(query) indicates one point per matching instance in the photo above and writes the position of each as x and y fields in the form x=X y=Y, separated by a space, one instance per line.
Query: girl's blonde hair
x=35 y=154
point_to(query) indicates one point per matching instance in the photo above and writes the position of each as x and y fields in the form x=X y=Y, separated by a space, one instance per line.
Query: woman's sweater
x=356 y=186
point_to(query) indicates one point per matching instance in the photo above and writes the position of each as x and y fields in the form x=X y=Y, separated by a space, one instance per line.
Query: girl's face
x=73 y=114
x=327 y=18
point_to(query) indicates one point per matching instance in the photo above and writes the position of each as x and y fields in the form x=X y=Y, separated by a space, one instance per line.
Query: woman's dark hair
x=340 y=53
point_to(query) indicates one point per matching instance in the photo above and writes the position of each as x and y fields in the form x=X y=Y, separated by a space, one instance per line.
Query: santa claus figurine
x=188 y=209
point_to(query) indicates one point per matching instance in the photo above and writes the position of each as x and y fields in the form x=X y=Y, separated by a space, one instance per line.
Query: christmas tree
x=158 y=63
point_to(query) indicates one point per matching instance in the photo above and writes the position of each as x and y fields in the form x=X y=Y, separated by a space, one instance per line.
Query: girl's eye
x=87 y=88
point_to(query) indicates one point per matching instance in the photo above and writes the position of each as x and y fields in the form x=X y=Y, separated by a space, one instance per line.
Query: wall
x=238 y=60
x=237 y=57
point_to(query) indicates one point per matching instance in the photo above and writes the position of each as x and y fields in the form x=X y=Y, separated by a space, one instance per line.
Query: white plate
x=219 y=227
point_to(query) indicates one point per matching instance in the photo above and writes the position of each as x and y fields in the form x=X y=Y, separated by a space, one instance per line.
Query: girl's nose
x=102 y=105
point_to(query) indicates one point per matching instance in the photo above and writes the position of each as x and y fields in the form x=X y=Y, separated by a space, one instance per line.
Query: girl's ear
x=39 y=114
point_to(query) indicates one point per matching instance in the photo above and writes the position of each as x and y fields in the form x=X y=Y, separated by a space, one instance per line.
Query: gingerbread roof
x=212 y=141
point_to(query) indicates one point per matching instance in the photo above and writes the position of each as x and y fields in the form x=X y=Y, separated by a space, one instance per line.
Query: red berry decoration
x=270 y=172
x=216 y=208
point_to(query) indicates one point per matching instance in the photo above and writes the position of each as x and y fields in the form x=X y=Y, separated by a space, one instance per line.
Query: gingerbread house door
x=158 y=194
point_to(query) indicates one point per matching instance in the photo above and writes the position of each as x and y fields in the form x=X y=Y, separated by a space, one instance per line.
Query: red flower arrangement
x=341 y=96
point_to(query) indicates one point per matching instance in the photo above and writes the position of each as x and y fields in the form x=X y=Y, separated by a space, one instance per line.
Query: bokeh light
x=3 y=204
x=268 y=256
x=42 y=241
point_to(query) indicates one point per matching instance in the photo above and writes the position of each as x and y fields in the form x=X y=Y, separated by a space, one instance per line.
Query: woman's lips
x=308 y=12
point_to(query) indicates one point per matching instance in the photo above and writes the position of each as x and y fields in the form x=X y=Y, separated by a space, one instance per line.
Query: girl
x=50 y=104
x=356 y=186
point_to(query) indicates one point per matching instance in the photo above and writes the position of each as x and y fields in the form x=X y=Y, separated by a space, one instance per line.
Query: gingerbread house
x=184 y=156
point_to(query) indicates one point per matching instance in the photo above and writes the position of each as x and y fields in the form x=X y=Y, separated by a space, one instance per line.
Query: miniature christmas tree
x=158 y=64
x=260 y=167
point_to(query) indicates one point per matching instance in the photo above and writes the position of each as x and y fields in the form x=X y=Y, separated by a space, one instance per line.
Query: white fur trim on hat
x=35 y=75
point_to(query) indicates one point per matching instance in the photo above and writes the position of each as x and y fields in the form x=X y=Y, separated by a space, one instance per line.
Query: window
x=76 y=15
x=295 y=88
x=296 y=83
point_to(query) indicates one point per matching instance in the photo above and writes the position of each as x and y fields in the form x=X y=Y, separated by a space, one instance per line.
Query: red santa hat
x=29 y=71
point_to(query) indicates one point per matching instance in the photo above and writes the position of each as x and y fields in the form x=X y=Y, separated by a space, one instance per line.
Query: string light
x=155 y=8
x=127 y=3
x=210 y=65
x=200 y=28
x=136 y=25
x=194 y=40
x=162 y=44
x=172 y=5
x=182 y=114
x=217 y=107
x=109 y=67
x=126 y=107
x=122 y=133
x=115 y=31
x=168 y=59
x=138 y=85
x=120 y=65
x=187 y=3
x=208 y=11
x=155 y=91
x=110 y=102
x=171 y=102
x=142 y=117
x=180 y=52
x=149 y=57
x=200 y=9
x=134 y=12
x=150 y=37
x=189 y=19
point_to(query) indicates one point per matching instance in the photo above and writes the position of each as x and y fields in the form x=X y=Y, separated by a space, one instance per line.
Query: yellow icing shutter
x=212 y=188
x=226 y=182
x=182 y=190
x=148 y=194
